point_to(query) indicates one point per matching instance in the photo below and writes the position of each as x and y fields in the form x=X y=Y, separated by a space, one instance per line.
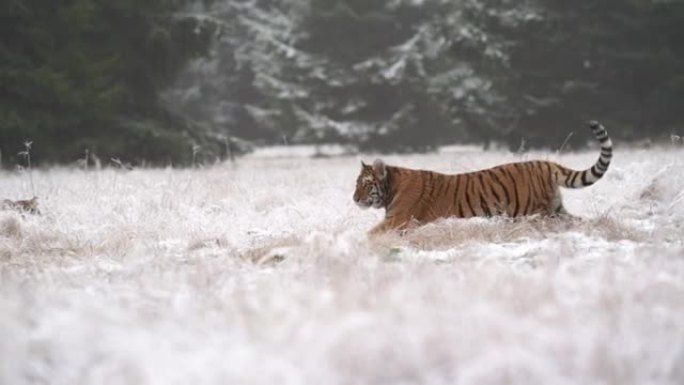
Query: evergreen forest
x=173 y=82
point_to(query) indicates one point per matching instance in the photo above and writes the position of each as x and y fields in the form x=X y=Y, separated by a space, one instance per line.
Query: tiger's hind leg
x=557 y=210
x=561 y=212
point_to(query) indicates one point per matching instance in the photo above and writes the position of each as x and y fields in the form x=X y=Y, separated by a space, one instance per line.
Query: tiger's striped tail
x=578 y=179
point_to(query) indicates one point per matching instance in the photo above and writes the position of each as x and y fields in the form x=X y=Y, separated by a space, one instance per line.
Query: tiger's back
x=514 y=189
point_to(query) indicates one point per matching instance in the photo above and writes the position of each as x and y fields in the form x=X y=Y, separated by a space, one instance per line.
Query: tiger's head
x=371 y=185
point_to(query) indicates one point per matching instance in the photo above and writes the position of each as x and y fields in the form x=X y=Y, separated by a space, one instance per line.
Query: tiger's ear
x=379 y=169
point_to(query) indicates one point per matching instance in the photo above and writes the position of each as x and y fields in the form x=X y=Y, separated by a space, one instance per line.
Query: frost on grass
x=261 y=273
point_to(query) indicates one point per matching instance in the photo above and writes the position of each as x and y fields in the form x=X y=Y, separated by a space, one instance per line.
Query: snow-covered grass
x=261 y=273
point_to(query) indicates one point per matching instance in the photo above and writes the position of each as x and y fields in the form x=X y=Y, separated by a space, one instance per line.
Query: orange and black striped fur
x=515 y=189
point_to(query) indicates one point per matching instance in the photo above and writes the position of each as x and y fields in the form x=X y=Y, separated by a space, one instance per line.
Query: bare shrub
x=270 y=251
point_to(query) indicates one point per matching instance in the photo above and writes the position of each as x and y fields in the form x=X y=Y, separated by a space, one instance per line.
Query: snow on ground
x=261 y=273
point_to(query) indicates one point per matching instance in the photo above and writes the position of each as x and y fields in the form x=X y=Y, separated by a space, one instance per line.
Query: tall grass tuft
x=27 y=155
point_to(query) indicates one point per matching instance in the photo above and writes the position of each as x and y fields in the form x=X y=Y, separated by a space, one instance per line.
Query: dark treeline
x=81 y=76
x=168 y=81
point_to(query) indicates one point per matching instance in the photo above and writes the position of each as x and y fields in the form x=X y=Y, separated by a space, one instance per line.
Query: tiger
x=517 y=189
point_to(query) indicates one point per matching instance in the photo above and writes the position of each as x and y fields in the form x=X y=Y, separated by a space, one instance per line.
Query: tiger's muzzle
x=363 y=203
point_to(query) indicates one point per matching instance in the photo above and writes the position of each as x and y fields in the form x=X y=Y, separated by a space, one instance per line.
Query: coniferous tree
x=565 y=63
x=81 y=75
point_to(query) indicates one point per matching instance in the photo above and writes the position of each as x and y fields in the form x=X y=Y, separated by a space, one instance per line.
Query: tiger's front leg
x=388 y=224
x=379 y=228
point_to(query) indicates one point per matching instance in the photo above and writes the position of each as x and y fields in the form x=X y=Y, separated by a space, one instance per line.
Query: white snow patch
x=261 y=272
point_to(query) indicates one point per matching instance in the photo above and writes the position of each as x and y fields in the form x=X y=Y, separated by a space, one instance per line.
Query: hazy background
x=175 y=82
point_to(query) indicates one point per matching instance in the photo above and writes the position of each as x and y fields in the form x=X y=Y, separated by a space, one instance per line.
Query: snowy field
x=261 y=273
